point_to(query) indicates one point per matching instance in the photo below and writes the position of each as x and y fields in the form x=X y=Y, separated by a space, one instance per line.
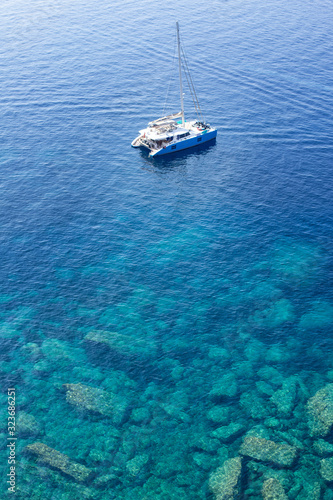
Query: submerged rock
x=271 y=375
x=123 y=345
x=89 y=398
x=141 y=414
x=32 y=351
x=254 y=350
x=255 y=405
x=320 y=411
x=228 y=432
x=108 y=480
x=59 y=461
x=268 y=451
x=259 y=431
x=323 y=448
x=219 y=414
x=204 y=460
x=56 y=350
x=226 y=386
x=219 y=354
x=326 y=468
x=136 y=464
x=289 y=438
x=307 y=477
x=257 y=473
x=273 y=490
x=295 y=262
x=278 y=354
x=319 y=317
x=264 y=388
x=272 y=422
x=224 y=482
x=285 y=398
x=208 y=444
x=26 y=424
x=279 y=312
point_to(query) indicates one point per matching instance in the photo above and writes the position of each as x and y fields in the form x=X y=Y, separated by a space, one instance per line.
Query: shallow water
x=213 y=267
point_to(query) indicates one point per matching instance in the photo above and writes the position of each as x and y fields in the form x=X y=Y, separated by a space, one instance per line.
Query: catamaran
x=173 y=133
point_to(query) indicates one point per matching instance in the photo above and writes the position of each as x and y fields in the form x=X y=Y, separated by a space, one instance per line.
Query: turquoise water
x=156 y=313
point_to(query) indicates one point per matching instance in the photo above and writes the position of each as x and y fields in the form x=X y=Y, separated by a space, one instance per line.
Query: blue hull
x=186 y=143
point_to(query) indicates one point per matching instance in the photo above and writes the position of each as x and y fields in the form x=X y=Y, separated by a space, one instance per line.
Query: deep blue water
x=214 y=267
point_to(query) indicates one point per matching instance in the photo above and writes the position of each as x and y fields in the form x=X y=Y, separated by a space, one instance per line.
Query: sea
x=166 y=325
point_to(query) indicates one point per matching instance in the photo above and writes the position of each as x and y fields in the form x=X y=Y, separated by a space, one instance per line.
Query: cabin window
x=199 y=139
x=180 y=136
x=173 y=147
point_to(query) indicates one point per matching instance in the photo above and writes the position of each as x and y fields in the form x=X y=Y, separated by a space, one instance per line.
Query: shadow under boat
x=171 y=158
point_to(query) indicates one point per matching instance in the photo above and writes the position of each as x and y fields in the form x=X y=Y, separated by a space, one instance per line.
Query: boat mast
x=180 y=75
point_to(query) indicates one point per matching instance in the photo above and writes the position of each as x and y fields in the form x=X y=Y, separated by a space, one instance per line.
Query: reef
x=170 y=401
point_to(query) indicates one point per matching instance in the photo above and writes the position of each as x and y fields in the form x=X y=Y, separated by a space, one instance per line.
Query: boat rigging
x=173 y=133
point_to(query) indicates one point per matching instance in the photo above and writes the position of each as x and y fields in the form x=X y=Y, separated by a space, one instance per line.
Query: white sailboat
x=173 y=133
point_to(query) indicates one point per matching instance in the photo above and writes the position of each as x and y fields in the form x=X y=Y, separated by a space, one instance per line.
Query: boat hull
x=137 y=142
x=185 y=144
